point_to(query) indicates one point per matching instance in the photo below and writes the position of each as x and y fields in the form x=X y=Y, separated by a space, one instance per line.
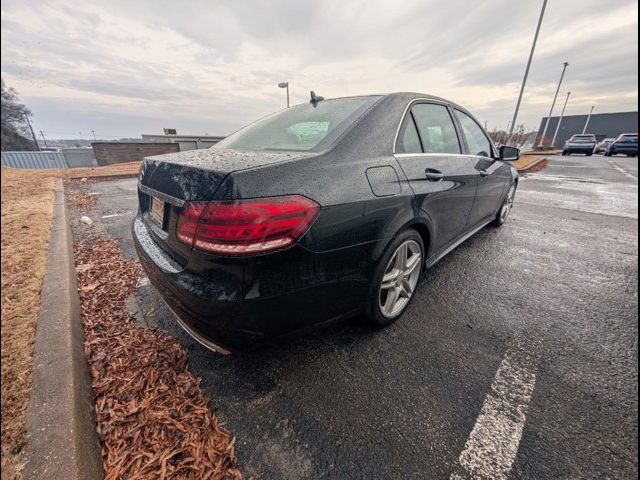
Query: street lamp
x=285 y=85
x=588 y=118
x=555 y=135
x=553 y=104
x=526 y=71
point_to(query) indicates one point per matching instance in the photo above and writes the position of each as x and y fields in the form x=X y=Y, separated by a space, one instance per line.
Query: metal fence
x=64 y=159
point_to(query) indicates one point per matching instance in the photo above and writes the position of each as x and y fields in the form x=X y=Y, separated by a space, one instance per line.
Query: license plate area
x=156 y=212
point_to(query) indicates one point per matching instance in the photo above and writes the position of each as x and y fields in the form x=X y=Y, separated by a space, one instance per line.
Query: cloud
x=125 y=68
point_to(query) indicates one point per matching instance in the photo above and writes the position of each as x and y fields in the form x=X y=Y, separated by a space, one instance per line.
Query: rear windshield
x=629 y=138
x=583 y=138
x=300 y=128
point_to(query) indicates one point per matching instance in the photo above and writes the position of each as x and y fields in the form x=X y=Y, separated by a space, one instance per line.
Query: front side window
x=301 y=128
x=436 y=128
x=477 y=141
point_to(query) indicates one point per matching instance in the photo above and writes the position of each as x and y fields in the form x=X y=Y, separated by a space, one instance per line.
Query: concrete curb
x=62 y=441
x=114 y=176
x=532 y=164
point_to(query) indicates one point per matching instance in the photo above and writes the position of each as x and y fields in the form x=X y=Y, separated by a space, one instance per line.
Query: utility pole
x=33 y=135
x=44 y=139
x=555 y=135
x=526 y=72
x=553 y=104
x=588 y=118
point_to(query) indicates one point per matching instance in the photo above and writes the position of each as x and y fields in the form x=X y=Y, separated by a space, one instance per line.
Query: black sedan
x=318 y=212
x=626 y=143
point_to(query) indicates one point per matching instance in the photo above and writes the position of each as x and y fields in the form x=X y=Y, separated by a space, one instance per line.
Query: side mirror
x=509 y=154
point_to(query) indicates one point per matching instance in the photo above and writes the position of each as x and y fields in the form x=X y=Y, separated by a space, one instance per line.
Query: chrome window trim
x=431 y=154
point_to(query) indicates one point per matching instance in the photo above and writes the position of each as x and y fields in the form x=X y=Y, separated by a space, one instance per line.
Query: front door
x=443 y=180
x=493 y=175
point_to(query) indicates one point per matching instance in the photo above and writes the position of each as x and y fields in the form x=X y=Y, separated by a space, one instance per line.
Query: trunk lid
x=195 y=175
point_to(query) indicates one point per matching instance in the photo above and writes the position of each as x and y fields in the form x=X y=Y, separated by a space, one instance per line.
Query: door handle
x=483 y=173
x=433 y=175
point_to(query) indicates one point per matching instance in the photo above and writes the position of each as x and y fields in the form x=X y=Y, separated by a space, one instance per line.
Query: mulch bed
x=153 y=419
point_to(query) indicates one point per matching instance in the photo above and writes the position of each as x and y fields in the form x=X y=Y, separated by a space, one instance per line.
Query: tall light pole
x=553 y=104
x=586 y=124
x=44 y=139
x=555 y=135
x=526 y=72
x=285 y=85
x=33 y=135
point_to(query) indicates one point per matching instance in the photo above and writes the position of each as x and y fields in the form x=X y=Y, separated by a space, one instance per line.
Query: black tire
x=501 y=218
x=564 y=154
x=373 y=311
x=589 y=154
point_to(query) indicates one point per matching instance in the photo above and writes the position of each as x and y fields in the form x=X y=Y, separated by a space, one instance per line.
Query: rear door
x=493 y=175
x=442 y=178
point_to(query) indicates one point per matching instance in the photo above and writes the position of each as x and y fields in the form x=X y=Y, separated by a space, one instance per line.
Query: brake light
x=238 y=227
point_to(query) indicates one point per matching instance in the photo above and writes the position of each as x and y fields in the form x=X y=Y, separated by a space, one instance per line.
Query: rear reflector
x=240 y=227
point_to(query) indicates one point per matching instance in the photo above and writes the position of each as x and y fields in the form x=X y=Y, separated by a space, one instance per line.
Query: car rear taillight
x=239 y=227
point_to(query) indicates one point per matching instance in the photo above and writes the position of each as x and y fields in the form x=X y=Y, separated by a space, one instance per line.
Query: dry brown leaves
x=82 y=200
x=153 y=418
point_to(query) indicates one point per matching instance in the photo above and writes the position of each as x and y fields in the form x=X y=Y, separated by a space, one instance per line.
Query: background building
x=603 y=125
x=186 y=142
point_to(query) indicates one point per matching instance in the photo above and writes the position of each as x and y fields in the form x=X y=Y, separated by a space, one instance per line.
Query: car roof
x=406 y=97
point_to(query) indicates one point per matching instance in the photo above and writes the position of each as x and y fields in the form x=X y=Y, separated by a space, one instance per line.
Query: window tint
x=476 y=139
x=409 y=140
x=436 y=128
x=301 y=127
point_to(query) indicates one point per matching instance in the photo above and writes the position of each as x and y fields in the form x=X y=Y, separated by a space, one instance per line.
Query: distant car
x=318 y=212
x=626 y=143
x=584 y=143
x=601 y=147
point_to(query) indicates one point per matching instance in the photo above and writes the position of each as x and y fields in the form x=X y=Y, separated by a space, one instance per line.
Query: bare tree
x=13 y=114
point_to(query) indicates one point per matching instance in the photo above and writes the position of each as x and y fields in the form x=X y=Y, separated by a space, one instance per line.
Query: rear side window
x=477 y=141
x=300 y=128
x=409 y=141
x=436 y=128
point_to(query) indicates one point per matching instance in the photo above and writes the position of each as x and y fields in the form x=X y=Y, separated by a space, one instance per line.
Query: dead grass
x=27 y=205
x=27 y=208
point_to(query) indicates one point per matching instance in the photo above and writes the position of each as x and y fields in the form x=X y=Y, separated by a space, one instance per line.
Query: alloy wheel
x=400 y=278
x=508 y=204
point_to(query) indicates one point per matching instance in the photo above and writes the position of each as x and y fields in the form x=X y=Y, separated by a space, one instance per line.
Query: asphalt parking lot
x=517 y=358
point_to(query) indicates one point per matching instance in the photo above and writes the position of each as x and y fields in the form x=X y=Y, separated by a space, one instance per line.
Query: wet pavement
x=516 y=359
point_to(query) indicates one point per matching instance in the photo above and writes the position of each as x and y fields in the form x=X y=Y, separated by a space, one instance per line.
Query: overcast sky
x=123 y=68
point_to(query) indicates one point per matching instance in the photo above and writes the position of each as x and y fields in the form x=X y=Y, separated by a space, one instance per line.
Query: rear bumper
x=237 y=303
x=629 y=150
x=584 y=150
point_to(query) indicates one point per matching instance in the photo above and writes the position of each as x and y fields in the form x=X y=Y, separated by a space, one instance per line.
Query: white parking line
x=622 y=170
x=112 y=215
x=493 y=443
